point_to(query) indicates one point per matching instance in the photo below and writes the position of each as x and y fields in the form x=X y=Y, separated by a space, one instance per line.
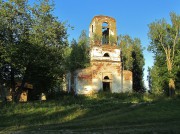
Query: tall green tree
x=165 y=39
x=149 y=78
x=79 y=57
x=138 y=66
x=33 y=41
x=50 y=36
x=14 y=21
x=133 y=59
x=126 y=45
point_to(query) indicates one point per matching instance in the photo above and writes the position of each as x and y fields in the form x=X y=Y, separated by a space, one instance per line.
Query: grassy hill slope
x=101 y=113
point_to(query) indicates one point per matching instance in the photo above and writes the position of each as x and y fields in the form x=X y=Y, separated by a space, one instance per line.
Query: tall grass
x=98 y=110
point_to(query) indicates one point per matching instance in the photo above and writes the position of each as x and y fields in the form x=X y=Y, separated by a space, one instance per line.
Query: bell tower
x=105 y=72
x=102 y=31
x=103 y=40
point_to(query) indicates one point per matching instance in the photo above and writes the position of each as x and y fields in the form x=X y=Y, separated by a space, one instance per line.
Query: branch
x=167 y=52
x=174 y=44
x=161 y=42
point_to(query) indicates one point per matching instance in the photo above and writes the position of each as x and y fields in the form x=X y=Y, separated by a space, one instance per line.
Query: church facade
x=105 y=72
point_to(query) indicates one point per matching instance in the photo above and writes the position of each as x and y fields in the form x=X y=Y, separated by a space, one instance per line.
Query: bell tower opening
x=105 y=33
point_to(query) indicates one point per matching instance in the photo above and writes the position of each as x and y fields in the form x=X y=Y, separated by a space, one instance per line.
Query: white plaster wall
x=116 y=84
x=96 y=84
x=97 y=53
x=83 y=87
x=127 y=86
x=101 y=67
x=110 y=70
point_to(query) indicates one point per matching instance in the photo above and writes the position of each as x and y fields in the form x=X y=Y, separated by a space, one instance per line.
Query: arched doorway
x=106 y=84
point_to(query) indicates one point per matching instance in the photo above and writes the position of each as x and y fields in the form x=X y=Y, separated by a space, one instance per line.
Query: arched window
x=106 y=55
x=104 y=24
x=106 y=78
x=105 y=33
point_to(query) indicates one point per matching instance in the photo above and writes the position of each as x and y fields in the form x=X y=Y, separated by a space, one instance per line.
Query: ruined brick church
x=105 y=72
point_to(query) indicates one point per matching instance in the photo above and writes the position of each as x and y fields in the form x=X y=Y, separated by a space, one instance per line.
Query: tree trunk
x=3 y=93
x=13 y=84
x=19 y=90
x=171 y=87
x=171 y=81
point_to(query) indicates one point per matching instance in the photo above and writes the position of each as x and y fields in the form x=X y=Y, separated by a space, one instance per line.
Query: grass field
x=101 y=113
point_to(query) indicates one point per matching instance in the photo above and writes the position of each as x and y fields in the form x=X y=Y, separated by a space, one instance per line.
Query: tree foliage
x=133 y=59
x=32 y=41
x=165 y=41
x=79 y=57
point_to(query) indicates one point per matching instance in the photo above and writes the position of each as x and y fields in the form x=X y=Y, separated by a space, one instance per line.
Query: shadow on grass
x=95 y=113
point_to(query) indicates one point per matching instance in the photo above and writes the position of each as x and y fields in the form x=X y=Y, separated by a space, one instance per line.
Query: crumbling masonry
x=106 y=72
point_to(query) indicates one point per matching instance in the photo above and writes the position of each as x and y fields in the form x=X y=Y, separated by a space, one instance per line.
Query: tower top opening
x=102 y=30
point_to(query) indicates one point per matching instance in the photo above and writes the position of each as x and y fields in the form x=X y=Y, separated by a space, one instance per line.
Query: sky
x=132 y=17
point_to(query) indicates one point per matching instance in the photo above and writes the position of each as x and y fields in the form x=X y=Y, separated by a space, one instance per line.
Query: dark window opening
x=105 y=33
x=106 y=78
x=92 y=29
x=106 y=55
